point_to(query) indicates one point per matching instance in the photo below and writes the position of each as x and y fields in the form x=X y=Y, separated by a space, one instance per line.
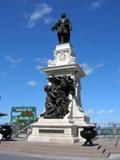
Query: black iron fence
x=109 y=131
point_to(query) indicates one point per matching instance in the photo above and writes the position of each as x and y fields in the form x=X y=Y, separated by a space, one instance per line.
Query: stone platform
x=55 y=131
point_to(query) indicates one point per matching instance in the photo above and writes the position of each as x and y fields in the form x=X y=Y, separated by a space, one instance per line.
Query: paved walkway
x=103 y=149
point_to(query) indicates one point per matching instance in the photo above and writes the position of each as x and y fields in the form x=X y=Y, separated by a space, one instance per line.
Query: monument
x=64 y=117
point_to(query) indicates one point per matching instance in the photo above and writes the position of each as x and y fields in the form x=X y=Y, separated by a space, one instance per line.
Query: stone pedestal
x=63 y=55
x=66 y=130
x=54 y=131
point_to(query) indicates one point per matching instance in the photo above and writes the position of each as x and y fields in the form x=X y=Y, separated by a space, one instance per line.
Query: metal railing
x=22 y=130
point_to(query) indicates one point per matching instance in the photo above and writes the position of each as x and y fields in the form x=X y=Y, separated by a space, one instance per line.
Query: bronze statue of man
x=63 y=28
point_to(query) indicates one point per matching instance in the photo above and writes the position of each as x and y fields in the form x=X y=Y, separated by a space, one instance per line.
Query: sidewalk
x=50 y=151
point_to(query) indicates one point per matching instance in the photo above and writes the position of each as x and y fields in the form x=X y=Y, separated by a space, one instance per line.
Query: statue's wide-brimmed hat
x=63 y=15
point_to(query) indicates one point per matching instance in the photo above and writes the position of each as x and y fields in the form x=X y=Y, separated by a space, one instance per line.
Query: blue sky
x=26 y=43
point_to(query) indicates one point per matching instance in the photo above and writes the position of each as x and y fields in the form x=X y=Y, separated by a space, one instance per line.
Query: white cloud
x=89 y=68
x=3 y=73
x=99 y=65
x=21 y=1
x=96 y=4
x=117 y=80
x=92 y=111
x=111 y=111
x=101 y=112
x=32 y=83
x=48 y=20
x=41 y=12
x=14 y=61
x=39 y=67
x=37 y=59
x=119 y=71
x=41 y=62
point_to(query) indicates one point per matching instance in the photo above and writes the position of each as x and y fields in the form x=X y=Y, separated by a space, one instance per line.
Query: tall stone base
x=55 y=131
